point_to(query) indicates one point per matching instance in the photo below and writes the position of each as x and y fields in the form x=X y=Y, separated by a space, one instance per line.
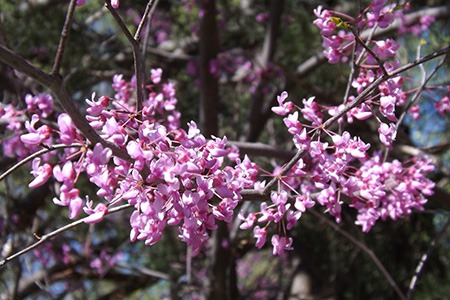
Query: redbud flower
x=260 y=234
x=35 y=136
x=41 y=173
x=155 y=75
x=281 y=244
x=387 y=133
x=283 y=108
x=97 y=214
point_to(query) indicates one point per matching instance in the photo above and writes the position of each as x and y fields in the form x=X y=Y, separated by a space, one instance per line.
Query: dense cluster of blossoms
x=333 y=173
x=339 y=169
x=175 y=177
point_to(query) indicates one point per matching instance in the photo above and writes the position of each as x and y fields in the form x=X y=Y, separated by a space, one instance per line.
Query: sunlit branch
x=146 y=17
x=417 y=94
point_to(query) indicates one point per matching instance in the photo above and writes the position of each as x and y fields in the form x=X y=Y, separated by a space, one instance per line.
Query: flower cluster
x=337 y=172
x=336 y=45
x=339 y=169
x=175 y=177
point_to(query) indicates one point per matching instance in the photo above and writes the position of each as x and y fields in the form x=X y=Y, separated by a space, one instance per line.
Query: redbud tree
x=206 y=145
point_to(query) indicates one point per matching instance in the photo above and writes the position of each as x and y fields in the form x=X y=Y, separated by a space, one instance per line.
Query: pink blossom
x=414 y=111
x=323 y=21
x=155 y=75
x=387 y=107
x=384 y=49
x=281 y=244
x=41 y=104
x=260 y=234
x=97 y=214
x=366 y=218
x=443 y=106
x=311 y=111
x=302 y=203
x=248 y=222
x=262 y=17
x=41 y=173
x=115 y=4
x=387 y=133
x=283 y=108
x=35 y=136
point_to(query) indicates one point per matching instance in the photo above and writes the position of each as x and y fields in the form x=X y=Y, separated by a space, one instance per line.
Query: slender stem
x=37 y=154
x=121 y=24
x=138 y=63
x=416 y=96
x=149 y=22
x=149 y=9
x=63 y=39
x=440 y=52
x=364 y=248
x=359 y=41
x=423 y=259
x=52 y=234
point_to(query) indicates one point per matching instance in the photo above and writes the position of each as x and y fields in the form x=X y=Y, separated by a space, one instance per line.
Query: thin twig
x=149 y=23
x=138 y=63
x=37 y=154
x=121 y=24
x=364 y=248
x=63 y=39
x=417 y=94
x=423 y=259
x=363 y=44
x=146 y=17
x=52 y=234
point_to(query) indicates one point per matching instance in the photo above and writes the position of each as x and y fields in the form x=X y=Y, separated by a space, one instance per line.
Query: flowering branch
x=318 y=59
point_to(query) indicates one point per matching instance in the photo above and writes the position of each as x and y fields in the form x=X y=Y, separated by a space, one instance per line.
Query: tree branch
x=423 y=259
x=52 y=234
x=55 y=84
x=37 y=154
x=364 y=248
x=208 y=48
x=63 y=39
